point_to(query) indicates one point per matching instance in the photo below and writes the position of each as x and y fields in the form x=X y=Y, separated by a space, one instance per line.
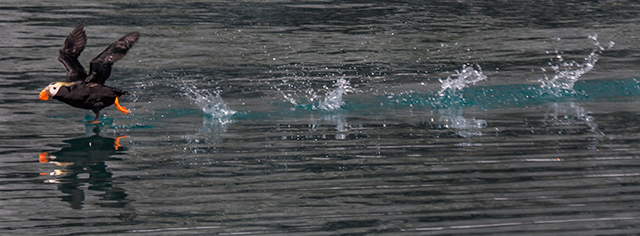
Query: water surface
x=327 y=118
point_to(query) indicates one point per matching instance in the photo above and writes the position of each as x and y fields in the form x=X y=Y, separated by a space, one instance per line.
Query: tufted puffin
x=87 y=91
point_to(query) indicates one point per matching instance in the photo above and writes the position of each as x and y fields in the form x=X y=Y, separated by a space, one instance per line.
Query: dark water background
x=326 y=118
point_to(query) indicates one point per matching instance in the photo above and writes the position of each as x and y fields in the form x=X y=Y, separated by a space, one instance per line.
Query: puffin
x=87 y=90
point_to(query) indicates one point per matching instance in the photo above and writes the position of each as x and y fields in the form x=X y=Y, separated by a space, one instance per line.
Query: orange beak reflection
x=44 y=157
x=44 y=94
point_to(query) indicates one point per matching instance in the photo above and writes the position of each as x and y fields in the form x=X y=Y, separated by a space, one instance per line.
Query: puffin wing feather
x=100 y=68
x=70 y=51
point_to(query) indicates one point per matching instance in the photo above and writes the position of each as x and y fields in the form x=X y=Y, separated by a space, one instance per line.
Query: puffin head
x=53 y=89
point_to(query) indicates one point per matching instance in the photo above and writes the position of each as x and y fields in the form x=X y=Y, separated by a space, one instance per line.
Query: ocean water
x=327 y=118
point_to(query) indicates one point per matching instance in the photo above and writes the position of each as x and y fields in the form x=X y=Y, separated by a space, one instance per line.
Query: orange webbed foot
x=116 y=143
x=121 y=108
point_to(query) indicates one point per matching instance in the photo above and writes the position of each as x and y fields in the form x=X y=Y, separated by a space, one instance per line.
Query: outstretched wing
x=101 y=65
x=70 y=51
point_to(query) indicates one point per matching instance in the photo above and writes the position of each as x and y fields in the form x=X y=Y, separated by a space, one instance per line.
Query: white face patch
x=53 y=88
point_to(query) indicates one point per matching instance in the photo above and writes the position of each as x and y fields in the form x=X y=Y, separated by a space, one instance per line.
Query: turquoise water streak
x=481 y=97
x=519 y=95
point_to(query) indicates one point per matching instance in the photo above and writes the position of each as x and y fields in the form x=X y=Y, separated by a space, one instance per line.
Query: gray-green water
x=327 y=118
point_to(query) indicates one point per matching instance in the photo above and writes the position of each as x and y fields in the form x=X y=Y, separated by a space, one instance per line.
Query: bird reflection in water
x=83 y=164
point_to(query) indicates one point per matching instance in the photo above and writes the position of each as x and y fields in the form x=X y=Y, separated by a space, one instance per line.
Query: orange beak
x=44 y=94
x=44 y=157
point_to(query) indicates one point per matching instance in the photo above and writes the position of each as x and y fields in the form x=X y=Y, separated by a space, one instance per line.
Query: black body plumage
x=87 y=90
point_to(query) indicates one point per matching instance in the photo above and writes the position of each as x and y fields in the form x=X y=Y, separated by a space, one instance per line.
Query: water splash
x=288 y=97
x=217 y=118
x=336 y=119
x=452 y=118
x=210 y=133
x=210 y=103
x=451 y=88
x=572 y=115
x=461 y=79
x=333 y=100
x=567 y=73
x=310 y=94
